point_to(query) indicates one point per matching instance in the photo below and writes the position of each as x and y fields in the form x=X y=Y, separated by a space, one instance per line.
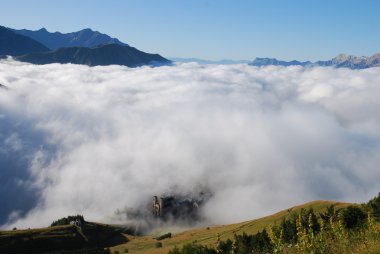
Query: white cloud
x=261 y=139
x=13 y=142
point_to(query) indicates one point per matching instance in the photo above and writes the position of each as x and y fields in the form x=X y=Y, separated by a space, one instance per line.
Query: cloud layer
x=92 y=140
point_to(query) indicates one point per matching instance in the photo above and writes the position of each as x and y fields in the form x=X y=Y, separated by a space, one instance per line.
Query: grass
x=209 y=235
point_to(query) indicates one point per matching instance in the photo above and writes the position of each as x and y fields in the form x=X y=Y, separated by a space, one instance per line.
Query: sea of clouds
x=93 y=140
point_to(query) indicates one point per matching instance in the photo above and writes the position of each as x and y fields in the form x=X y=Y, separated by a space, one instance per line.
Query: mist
x=96 y=140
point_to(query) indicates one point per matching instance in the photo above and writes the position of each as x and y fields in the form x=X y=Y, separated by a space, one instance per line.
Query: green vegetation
x=373 y=207
x=353 y=229
x=210 y=236
x=315 y=227
x=353 y=217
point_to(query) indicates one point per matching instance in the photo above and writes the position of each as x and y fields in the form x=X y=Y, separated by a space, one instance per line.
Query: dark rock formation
x=178 y=206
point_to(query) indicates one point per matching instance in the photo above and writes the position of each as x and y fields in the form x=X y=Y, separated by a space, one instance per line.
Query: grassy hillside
x=209 y=235
x=65 y=237
x=98 y=236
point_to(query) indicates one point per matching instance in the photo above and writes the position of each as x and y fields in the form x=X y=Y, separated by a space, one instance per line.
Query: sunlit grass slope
x=209 y=235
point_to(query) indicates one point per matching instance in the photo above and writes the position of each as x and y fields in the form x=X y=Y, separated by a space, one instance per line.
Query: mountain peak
x=86 y=30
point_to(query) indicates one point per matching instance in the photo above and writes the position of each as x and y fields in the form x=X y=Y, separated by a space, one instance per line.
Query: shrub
x=67 y=220
x=225 y=247
x=353 y=217
x=164 y=236
x=158 y=244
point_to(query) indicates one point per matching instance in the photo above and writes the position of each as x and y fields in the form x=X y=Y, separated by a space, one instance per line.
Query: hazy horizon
x=214 y=30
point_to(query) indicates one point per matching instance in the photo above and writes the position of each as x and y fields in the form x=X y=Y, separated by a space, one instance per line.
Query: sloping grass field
x=209 y=235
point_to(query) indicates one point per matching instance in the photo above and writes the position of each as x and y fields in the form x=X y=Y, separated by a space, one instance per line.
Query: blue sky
x=214 y=29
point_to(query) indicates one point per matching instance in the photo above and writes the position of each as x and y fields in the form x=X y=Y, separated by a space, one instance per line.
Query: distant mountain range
x=94 y=48
x=273 y=61
x=341 y=61
x=83 y=38
x=106 y=54
x=83 y=47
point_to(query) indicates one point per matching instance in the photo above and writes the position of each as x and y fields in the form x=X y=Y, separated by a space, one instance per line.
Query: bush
x=158 y=245
x=353 y=217
x=164 y=236
x=225 y=247
x=67 y=220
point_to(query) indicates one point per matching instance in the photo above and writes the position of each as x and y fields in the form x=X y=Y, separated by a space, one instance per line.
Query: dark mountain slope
x=107 y=54
x=15 y=44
